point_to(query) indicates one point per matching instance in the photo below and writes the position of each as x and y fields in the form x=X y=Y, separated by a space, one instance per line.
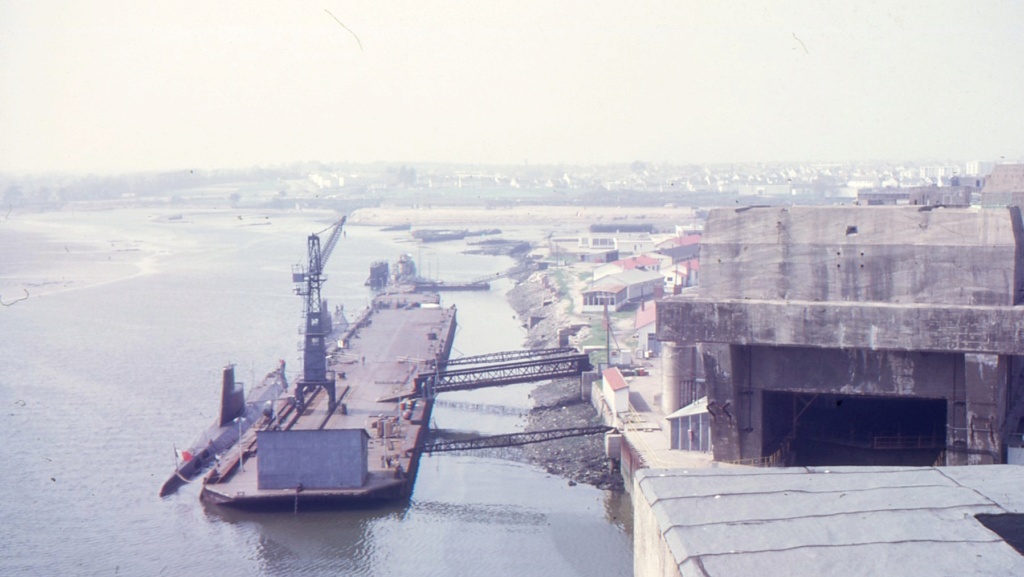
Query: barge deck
x=364 y=448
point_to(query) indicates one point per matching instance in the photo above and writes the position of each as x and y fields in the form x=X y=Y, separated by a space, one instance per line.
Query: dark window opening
x=828 y=429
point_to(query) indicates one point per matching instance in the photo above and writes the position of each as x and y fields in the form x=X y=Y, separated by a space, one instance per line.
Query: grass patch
x=598 y=335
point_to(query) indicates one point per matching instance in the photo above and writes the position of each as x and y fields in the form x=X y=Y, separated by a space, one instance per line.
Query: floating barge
x=364 y=448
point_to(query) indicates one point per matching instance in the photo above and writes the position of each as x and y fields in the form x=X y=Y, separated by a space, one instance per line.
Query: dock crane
x=317 y=316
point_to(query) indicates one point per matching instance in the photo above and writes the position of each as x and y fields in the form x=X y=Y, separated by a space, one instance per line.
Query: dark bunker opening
x=830 y=429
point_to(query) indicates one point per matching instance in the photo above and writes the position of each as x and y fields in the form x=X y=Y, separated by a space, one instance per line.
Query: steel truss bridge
x=532 y=369
x=506 y=356
x=512 y=439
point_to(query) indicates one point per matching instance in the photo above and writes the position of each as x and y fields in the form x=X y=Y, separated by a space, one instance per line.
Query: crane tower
x=316 y=315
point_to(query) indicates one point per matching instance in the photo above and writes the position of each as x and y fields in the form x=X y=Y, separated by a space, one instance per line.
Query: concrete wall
x=330 y=459
x=938 y=328
x=854 y=371
x=866 y=254
x=651 y=554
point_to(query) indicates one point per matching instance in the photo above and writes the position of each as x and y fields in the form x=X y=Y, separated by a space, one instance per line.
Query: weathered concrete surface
x=824 y=521
x=892 y=254
x=1004 y=186
x=876 y=326
x=891 y=302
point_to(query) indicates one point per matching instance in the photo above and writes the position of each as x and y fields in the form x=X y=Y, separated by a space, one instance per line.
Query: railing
x=504 y=374
x=506 y=356
x=1015 y=440
x=911 y=442
x=511 y=439
x=634 y=421
x=776 y=459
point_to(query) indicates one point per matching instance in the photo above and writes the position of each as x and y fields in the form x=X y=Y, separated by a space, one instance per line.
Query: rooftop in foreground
x=829 y=521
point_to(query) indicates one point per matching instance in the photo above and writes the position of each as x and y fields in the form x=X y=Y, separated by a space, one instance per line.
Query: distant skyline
x=119 y=86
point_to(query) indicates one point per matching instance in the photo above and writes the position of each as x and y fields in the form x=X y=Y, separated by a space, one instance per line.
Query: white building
x=615 y=391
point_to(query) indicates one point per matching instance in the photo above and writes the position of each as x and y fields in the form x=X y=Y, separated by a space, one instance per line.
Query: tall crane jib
x=316 y=315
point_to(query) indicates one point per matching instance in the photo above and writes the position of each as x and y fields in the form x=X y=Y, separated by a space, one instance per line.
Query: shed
x=691 y=427
x=615 y=390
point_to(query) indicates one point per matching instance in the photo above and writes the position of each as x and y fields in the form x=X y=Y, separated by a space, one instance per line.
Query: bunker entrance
x=827 y=429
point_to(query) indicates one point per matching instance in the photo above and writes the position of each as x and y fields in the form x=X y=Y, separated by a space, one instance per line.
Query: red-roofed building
x=644 y=327
x=642 y=262
x=682 y=240
x=615 y=391
x=681 y=275
x=680 y=248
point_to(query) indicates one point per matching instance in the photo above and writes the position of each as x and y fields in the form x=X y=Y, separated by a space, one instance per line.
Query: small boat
x=434 y=235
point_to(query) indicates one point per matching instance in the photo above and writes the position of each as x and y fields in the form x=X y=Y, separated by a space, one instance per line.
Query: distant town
x=648 y=183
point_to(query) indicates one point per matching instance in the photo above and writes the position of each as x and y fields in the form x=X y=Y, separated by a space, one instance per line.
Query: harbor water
x=115 y=329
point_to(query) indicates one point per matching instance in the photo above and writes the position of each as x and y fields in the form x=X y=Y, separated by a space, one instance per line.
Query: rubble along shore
x=559 y=403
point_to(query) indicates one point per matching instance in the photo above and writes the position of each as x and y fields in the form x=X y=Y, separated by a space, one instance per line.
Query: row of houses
x=669 y=267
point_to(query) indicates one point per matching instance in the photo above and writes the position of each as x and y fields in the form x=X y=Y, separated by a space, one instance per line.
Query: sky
x=122 y=85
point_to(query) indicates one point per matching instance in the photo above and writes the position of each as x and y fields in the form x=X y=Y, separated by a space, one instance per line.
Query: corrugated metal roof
x=695 y=408
x=606 y=288
x=629 y=277
x=636 y=261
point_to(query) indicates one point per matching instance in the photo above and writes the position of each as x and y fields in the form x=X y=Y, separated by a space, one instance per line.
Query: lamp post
x=241 y=452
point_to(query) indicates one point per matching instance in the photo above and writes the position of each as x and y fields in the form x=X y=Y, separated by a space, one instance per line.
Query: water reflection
x=491 y=514
x=313 y=542
x=469 y=515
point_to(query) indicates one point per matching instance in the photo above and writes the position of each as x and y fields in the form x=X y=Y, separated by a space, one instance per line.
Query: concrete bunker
x=904 y=325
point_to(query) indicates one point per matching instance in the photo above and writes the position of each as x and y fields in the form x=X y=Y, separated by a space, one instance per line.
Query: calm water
x=115 y=358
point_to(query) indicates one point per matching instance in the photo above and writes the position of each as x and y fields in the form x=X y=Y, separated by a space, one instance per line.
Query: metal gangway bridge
x=512 y=439
x=506 y=368
x=500 y=369
x=516 y=367
x=496 y=370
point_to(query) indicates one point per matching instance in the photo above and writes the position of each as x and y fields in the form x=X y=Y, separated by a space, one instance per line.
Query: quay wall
x=652 y=556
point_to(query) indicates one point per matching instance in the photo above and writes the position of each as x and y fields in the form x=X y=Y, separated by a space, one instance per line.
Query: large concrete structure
x=855 y=335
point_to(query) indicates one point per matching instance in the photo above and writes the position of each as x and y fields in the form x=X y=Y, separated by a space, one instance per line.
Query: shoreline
x=569 y=217
x=558 y=403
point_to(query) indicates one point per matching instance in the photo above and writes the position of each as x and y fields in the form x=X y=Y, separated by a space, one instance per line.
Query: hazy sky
x=128 y=85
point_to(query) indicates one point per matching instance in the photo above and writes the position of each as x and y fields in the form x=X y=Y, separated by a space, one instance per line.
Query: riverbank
x=566 y=217
x=559 y=403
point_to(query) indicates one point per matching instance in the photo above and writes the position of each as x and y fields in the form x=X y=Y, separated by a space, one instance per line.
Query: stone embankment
x=559 y=403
